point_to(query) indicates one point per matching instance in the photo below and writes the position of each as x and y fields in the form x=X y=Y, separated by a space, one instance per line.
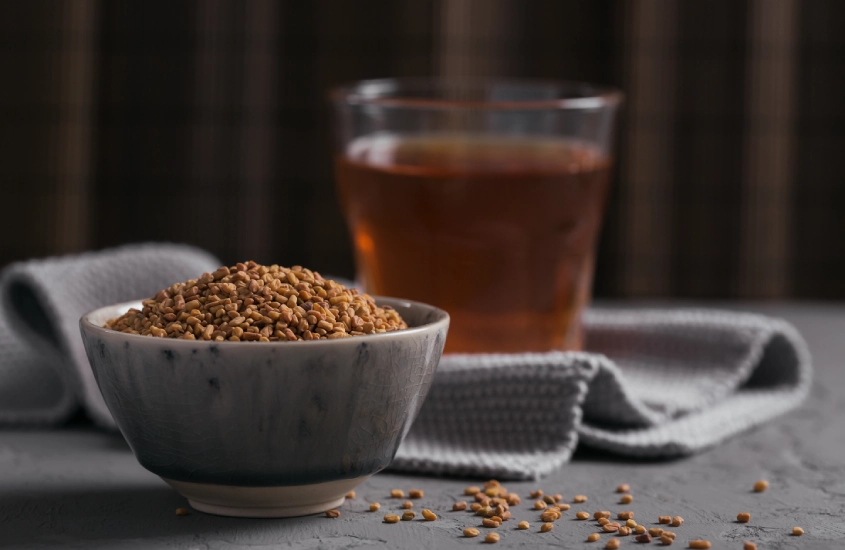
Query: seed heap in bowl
x=251 y=302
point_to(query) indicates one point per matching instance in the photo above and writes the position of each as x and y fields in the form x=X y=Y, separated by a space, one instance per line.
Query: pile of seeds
x=494 y=504
x=251 y=302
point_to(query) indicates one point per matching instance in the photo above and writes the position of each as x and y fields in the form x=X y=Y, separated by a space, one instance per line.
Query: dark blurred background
x=206 y=123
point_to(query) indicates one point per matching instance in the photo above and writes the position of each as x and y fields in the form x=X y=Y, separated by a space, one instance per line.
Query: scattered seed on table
x=625 y=515
x=677 y=521
x=558 y=497
x=700 y=544
x=407 y=505
x=645 y=537
x=579 y=499
x=582 y=515
x=536 y=494
x=743 y=517
x=471 y=490
x=624 y=531
x=549 y=499
x=631 y=523
x=489 y=522
x=332 y=513
x=415 y=493
x=664 y=519
x=626 y=499
x=428 y=515
x=475 y=506
x=523 y=525
x=539 y=505
x=761 y=486
x=612 y=544
x=500 y=510
x=481 y=497
x=797 y=531
x=492 y=538
x=610 y=528
x=492 y=491
x=669 y=534
x=470 y=532
x=749 y=546
x=666 y=541
x=182 y=511
x=408 y=515
x=639 y=529
x=374 y=507
x=459 y=506
x=391 y=518
x=513 y=499
x=563 y=506
x=506 y=514
x=655 y=531
x=350 y=494
x=397 y=493
x=593 y=537
x=601 y=514
x=497 y=519
x=624 y=488
x=550 y=515
x=546 y=527
x=603 y=521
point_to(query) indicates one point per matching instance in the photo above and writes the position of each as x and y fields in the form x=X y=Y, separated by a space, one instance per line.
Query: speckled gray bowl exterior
x=266 y=414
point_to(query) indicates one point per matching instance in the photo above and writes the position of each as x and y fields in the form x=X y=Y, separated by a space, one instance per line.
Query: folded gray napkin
x=652 y=384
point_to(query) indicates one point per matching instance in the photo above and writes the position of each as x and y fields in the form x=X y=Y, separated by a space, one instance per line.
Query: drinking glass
x=484 y=198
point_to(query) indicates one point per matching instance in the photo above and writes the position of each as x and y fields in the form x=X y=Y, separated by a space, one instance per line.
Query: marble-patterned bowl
x=269 y=429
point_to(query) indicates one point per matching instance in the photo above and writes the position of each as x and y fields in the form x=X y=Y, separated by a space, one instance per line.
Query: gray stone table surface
x=81 y=488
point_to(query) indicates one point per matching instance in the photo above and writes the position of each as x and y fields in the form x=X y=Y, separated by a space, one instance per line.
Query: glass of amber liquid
x=483 y=198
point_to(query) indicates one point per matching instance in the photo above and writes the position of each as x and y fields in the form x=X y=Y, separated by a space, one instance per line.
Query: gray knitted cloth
x=654 y=383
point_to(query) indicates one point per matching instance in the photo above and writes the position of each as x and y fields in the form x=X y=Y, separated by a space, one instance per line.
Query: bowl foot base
x=265 y=502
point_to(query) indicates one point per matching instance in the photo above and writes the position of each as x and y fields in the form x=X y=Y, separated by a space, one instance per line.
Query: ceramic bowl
x=269 y=429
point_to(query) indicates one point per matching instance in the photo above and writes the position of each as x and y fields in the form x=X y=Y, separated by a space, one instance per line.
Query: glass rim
x=374 y=92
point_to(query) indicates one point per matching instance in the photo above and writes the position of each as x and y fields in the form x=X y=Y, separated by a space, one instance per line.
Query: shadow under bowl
x=270 y=429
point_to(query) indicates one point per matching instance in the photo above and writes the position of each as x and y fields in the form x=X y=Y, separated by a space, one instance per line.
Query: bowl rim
x=443 y=319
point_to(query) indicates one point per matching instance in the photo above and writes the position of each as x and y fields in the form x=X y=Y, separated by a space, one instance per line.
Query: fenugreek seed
x=475 y=506
x=609 y=528
x=539 y=505
x=458 y=506
x=497 y=519
x=333 y=513
x=550 y=515
x=666 y=541
x=492 y=538
x=397 y=493
x=536 y=494
x=492 y=491
x=579 y=499
x=677 y=521
x=664 y=519
x=749 y=546
x=481 y=497
x=625 y=515
x=582 y=515
x=603 y=521
x=507 y=515
x=612 y=544
x=513 y=499
x=593 y=537
x=549 y=499
x=350 y=494
x=624 y=531
x=626 y=499
x=631 y=523
x=407 y=504
x=499 y=510
x=601 y=514
x=669 y=534
x=489 y=522
x=391 y=518
x=558 y=497
x=485 y=511
x=374 y=507
x=546 y=527
x=470 y=532
x=624 y=488
x=761 y=486
x=563 y=506
x=643 y=538
x=797 y=531
x=428 y=515
x=743 y=517
x=408 y=515
x=639 y=529
x=415 y=493
x=655 y=531
x=523 y=525
x=182 y=512
x=492 y=483
x=699 y=544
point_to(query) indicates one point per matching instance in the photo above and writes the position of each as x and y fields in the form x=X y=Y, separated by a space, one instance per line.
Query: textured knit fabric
x=655 y=384
x=651 y=384
x=44 y=373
